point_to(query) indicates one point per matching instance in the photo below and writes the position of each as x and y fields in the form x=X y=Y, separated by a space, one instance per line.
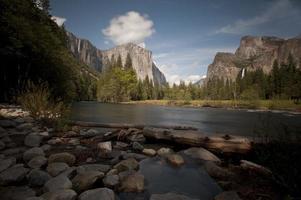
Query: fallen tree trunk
x=220 y=143
x=127 y=126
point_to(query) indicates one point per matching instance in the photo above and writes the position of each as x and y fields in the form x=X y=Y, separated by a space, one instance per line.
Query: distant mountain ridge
x=255 y=53
x=98 y=59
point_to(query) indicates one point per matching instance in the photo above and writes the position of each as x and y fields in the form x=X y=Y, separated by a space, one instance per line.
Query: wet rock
x=57 y=183
x=137 y=146
x=37 y=178
x=250 y=166
x=93 y=167
x=5 y=164
x=73 y=141
x=14 y=174
x=33 y=152
x=170 y=196
x=129 y=164
x=7 y=123
x=149 y=152
x=37 y=162
x=111 y=181
x=112 y=172
x=97 y=194
x=56 y=168
x=62 y=157
x=175 y=159
x=60 y=195
x=134 y=182
x=32 y=140
x=136 y=156
x=229 y=195
x=24 y=126
x=85 y=180
x=16 y=193
x=2 y=145
x=201 y=154
x=164 y=151
x=218 y=172
x=121 y=145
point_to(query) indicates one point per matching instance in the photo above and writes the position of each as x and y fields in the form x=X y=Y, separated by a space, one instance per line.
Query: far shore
x=260 y=105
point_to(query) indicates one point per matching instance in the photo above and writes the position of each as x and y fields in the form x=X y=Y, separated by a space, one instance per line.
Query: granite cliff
x=142 y=61
x=255 y=53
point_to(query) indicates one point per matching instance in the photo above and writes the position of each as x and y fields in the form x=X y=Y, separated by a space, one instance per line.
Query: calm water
x=208 y=120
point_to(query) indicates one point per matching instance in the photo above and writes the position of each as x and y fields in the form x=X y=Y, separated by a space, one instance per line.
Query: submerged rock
x=111 y=181
x=164 y=151
x=201 y=154
x=134 y=182
x=175 y=159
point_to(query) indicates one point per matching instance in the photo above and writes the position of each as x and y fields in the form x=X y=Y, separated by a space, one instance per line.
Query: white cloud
x=59 y=20
x=278 y=9
x=131 y=27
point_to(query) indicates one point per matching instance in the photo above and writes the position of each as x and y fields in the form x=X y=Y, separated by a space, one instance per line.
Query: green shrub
x=37 y=99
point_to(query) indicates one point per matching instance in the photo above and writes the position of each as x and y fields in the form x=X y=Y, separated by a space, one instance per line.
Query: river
x=208 y=120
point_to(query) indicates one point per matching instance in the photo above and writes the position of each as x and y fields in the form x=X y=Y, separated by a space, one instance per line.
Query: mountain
x=142 y=61
x=255 y=53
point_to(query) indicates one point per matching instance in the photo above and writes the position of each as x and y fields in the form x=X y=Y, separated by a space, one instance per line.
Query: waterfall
x=243 y=72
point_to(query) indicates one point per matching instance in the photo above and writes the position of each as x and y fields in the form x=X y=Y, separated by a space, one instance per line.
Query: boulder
x=16 y=193
x=228 y=195
x=37 y=162
x=24 y=126
x=170 y=196
x=7 y=123
x=93 y=167
x=2 y=145
x=111 y=181
x=56 y=168
x=218 y=172
x=136 y=156
x=250 y=166
x=104 y=147
x=201 y=154
x=129 y=164
x=97 y=194
x=6 y=163
x=14 y=174
x=37 y=178
x=134 y=182
x=164 y=151
x=62 y=157
x=149 y=152
x=60 y=195
x=57 y=183
x=33 y=140
x=85 y=180
x=137 y=146
x=33 y=152
x=175 y=159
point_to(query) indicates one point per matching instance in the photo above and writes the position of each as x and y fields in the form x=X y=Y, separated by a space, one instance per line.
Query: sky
x=183 y=35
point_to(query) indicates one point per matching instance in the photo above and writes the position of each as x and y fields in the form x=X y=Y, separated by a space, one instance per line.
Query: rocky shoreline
x=40 y=163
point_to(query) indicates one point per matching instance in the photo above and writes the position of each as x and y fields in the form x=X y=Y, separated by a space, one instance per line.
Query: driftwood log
x=220 y=143
x=126 y=126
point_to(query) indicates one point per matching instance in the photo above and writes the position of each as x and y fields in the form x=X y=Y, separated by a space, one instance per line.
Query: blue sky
x=184 y=35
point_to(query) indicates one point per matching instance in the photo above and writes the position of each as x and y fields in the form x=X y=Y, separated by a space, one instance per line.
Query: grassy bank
x=243 y=104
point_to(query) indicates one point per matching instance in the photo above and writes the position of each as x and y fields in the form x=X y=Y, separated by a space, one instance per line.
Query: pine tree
x=128 y=62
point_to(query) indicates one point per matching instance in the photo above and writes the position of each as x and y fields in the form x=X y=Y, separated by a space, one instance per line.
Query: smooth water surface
x=208 y=120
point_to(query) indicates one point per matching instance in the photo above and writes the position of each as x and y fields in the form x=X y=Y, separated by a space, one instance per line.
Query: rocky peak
x=99 y=59
x=255 y=52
